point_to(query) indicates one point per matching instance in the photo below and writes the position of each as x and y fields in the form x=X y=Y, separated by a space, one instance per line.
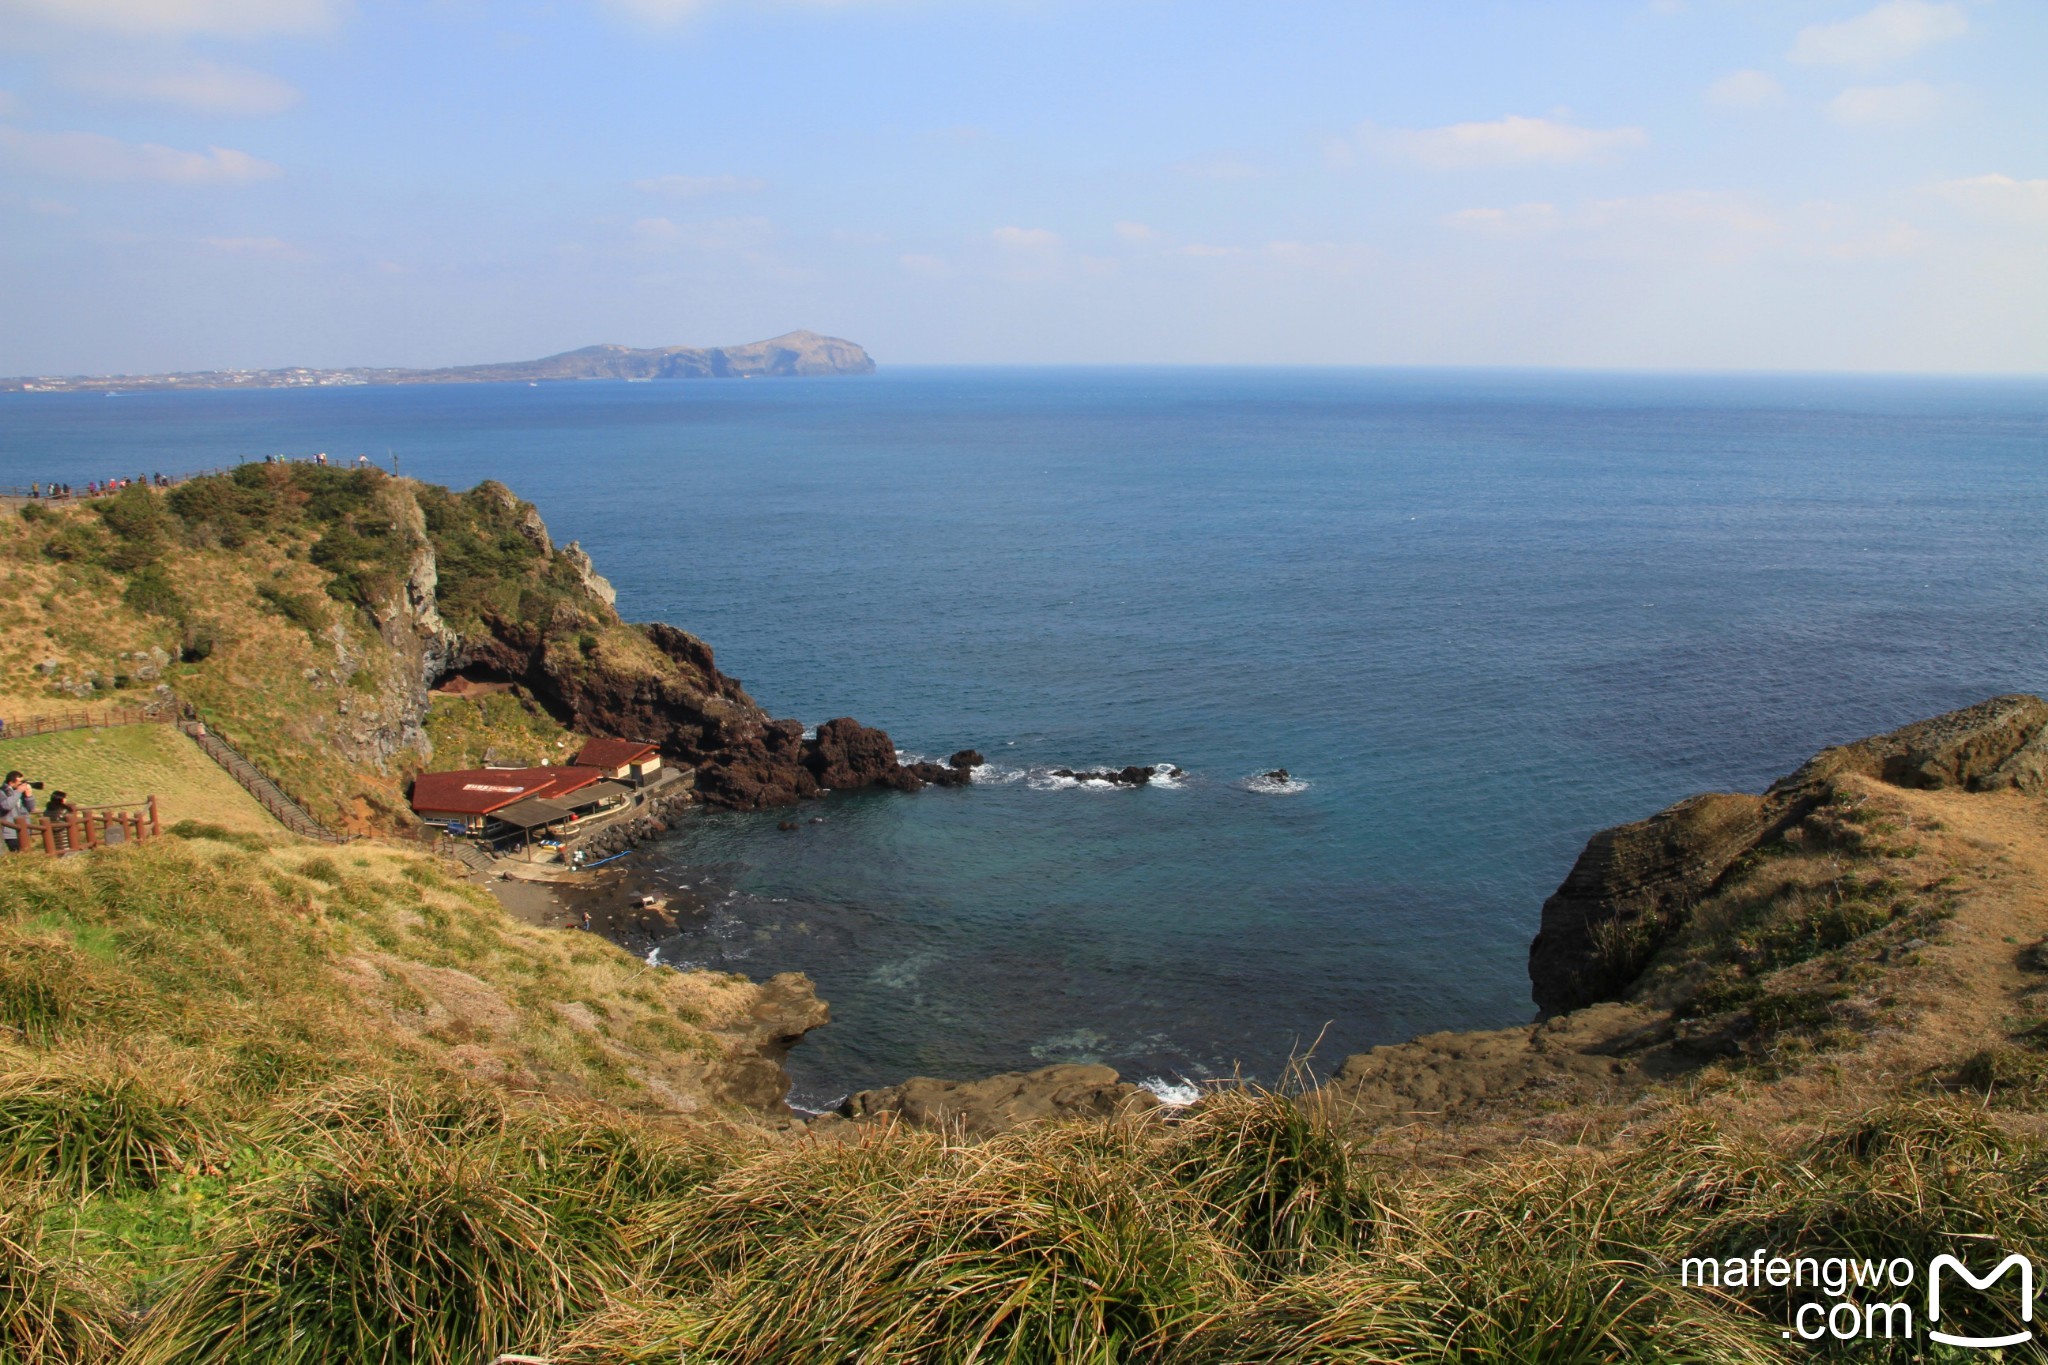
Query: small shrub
x=33 y=512
x=301 y=609
x=149 y=591
x=73 y=544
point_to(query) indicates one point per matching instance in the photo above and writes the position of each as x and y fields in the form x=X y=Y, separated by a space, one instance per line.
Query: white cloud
x=1885 y=106
x=657 y=12
x=91 y=156
x=699 y=186
x=54 y=208
x=271 y=248
x=1137 y=232
x=1682 y=223
x=1889 y=242
x=1999 y=197
x=1025 y=239
x=1514 y=140
x=666 y=13
x=1522 y=218
x=161 y=18
x=1713 y=211
x=1219 y=168
x=1894 y=30
x=1745 y=90
x=208 y=87
x=925 y=267
x=717 y=234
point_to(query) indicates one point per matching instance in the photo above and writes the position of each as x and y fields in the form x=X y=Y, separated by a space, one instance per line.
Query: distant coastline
x=792 y=355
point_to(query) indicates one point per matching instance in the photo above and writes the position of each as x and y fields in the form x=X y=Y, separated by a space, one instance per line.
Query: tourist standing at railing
x=15 y=807
x=58 y=813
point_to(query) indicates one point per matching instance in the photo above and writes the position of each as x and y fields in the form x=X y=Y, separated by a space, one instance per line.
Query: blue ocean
x=1475 y=616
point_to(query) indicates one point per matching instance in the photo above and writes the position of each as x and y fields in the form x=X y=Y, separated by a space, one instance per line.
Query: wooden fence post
x=71 y=833
x=155 y=825
x=49 y=838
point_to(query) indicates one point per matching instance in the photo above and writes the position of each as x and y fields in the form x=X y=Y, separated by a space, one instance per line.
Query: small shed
x=624 y=760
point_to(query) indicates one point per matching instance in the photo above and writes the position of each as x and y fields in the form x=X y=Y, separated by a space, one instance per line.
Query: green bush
x=301 y=609
x=151 y=593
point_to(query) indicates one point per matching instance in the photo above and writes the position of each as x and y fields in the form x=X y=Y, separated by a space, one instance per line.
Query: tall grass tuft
x=1275 y=1176
x=48 y=1315
x=1045 y=1245
x=96 y=1125
x=405 y=1249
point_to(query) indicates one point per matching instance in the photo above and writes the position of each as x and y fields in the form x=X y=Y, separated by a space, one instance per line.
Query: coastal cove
x=1476 y=616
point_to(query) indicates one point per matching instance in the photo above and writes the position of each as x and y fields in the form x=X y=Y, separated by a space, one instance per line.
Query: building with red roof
x=623 y=760
x=470 y=799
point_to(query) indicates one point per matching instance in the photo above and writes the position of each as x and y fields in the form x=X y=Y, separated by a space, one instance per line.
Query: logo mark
x=2026 y=1269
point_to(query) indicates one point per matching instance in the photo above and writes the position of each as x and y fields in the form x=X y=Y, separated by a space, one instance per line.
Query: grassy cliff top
x=267 y=1100
x=302 y=611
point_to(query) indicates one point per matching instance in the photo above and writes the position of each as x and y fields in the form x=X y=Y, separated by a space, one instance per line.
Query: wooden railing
x=87 y=718
x=258 y=784
x=81 y=828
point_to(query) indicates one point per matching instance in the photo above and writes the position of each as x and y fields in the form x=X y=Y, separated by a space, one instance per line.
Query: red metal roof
x=479 y=791
x=613 y=754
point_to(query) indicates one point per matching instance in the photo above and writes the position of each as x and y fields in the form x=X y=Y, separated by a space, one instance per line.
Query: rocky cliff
x=1635 y=884
x=314 y=608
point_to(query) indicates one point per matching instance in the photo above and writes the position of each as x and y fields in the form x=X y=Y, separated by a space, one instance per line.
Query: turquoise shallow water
x=1478 y=615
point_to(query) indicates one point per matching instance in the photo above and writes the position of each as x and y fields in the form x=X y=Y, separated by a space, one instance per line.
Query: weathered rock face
x=849 y=754
x=997 y=1103
x=1985 y=747
x=1621 y=896
x=785 y=1008
x=1633 y=884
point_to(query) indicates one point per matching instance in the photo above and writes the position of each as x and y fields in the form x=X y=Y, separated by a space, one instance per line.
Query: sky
x=1667 y=184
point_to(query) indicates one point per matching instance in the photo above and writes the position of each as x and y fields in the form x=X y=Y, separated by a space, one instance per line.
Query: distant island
x=790 y=355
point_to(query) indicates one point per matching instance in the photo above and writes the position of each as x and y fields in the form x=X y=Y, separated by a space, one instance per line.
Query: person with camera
x=17 y=804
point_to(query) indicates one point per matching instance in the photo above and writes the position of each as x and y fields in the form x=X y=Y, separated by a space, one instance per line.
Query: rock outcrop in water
x=997 y=1103
x=1634 y=884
